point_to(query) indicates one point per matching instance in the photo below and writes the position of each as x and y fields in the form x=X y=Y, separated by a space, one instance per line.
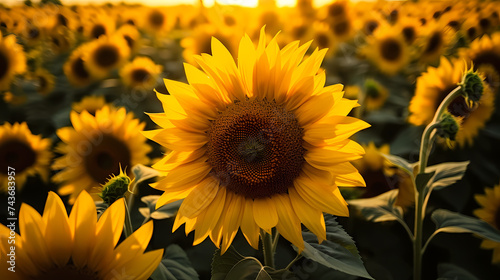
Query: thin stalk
x=421 y=201
x=267 y=246
x=275 y=240
x=127 y=226
x=298 y=257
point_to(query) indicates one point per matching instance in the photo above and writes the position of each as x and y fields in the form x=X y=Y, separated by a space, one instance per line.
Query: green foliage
x=402 y=163
x=380 y=208
x=448 y=271
x=422 y=179
x=445 y=174
x=231 y=265
x=175 y=265
x=338 y=251
x=141 y=174
x=447 y=221
x=164 y=212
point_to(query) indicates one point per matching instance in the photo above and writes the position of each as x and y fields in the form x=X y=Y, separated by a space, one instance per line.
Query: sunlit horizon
x=208 y=3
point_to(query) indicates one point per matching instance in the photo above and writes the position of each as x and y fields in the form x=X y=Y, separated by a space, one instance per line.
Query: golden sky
x=174 y=2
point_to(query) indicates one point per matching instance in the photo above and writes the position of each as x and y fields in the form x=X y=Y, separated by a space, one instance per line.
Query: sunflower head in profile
x=387 y=49
x=95 y=147
x=256 y=145
x=12 y=60
x=105 y=54
x=490 y=213
x=28 y=154
x=434 y=85
x=141 y=73
x=75 y=69
x=56 y=245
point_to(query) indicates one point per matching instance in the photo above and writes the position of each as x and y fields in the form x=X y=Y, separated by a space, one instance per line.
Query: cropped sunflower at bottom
x=78 y=246
x=256 y=145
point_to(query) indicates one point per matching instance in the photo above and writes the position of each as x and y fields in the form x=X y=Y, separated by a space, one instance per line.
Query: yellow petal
x=264 y=211
x=82 y=220
x=310 y=216
x=211 y=217
x=57 y=231
x=289 y=223
x=198 y=200
x=322 y=197
x=140 y=268
x=249 y=227
x=232 y=219
x=31 y=229
x=133 y=246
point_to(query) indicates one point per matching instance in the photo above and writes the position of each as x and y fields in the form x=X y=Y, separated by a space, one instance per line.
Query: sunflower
x=45 y=81
x=28 y=154
x=95 y=147
x=105 y=54
x=141 y=73
x=410 y=29
x=434 y=41
x=323 y=38
x=381 y=176
x=156 y=20
x=434 y=85
x=257 y=145
x=484 y=51
x=200 y=40
x=56 y=245
x=12 y=60
x=61 y=39
x=75 y=70
x=490 y=213
x=131 y=35
x=387 y=49
x=91 y=104
x=375 y=95
x=98 y=25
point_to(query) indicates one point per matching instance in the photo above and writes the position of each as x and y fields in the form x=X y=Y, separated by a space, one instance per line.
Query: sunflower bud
x=115 y=188
x=472 y=85
x=448 y=127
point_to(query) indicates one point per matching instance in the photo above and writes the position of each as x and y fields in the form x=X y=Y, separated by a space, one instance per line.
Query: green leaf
x=447 y=221
x=164 y=212
x=448 y=271
x=175 y=266
x=402 y=163
x=422 y=179
x=141 y=174
x=380 y=208
x=338 y=251
x=446 y=174
x=232 y=265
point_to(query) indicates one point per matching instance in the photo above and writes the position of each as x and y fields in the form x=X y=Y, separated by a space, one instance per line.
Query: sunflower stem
x=421 y=201
x=275 y=240
x=127 y=226
x=267 y=246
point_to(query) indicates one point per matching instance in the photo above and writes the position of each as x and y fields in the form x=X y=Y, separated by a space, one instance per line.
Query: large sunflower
x=434 y=85
x=490 y=213
x=96 y=146
x=387 y=49
x=57 y=246
x=12 y=60
x=256 y=145
x=28 y=154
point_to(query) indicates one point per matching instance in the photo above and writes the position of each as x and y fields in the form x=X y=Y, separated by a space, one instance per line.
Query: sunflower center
x=156 y=19
x=409 y=34
x=390 y=49
x=434 y=43
x=62 y=20
x=341 y=28
x=16 y=154
x=459 y=108
x=336 y=10
x=69 y=272
x=106 y=56
x=42 y=83
x=471 y=32
x=79 y=69
x=97 y=31
x=322 y=40
x=4 y=65
x=486 y=57
x=140 y=75
x=370 y=26
x=106 y=157
x=454 y=24
x=255 y=148
x=33 y=33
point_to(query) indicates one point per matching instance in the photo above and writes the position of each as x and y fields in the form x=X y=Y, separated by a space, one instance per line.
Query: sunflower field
x=334 y=140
